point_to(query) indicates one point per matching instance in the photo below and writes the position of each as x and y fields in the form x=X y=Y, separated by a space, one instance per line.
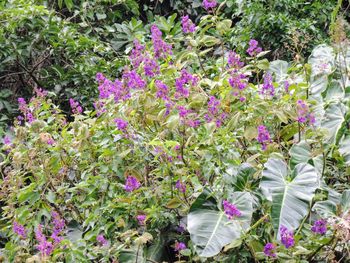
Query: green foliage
x=188 y=151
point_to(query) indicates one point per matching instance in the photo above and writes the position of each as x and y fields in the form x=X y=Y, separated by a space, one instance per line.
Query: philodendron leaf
x=302 y=153
x=344 y=149
x=211 y=229
x=290 y=194
x=333 y=121
x=279 y=69
x=345 y=201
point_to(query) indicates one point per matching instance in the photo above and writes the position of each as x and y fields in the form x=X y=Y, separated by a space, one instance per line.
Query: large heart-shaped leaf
x=333 y=121
x=279 y=69
x=291 y=194
x=302 y=153
x=344 y=149
x=211 y=229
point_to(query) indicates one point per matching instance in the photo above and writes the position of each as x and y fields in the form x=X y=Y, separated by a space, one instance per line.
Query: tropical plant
x=194 y=154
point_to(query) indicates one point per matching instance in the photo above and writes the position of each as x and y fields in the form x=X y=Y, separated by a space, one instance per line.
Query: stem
x=319 y=248
x=201 y=65
x=299 y=133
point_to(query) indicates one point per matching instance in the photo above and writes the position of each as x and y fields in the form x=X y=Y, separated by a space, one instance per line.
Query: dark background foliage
x=61 y=45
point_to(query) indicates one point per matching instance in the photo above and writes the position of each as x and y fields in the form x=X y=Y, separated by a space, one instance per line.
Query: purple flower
x=253 y=48
x=183 y=112
x=187 y=25
x=180 y=84
x=162 y=90
x=269 y=250
x=19 y=230
x=101 y=239
x=268 y=87
x=136 y=56
x=209 y=4
x=304 y=113
x=319 y=227
x=234 y=60
x=7 y=140
x=22 y=105
x=214 y=112
x=75 y=106
x=50 y=141
x=230 y=210
x=180 y=246
x=141 y=219
x=160 y=48
x=131 y=184
x=286 y=86
x=151 y=67
x=121 y=124
x=40 y=92
x=58 y=227
x=287 y=237
x=180 y=186
x=263 y=136
x=238 y=82
x=133 y=80
x=44 y=246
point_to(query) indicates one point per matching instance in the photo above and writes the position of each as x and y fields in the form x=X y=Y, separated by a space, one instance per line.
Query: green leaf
x=344 y=149
x=333 y=120
x=263 y=64
x=345 y=201
x=290 y=194
x=211 y=230
x=279 y=69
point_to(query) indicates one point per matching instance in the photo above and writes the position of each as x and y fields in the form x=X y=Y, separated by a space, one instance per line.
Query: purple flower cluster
x=121 y=124
x=253 y=48
x=238 y=83
x=75 y=106
x=187 y=25
x=180 y=84
x=234 y=60
x=267 y=87
x=209 y=4
x=214 y=112
x=269 y=250
x=162 y=90
x=23 y=107
x=108 y=88
x=136 y=56
x=40 y=92
x=304 y=114
x=133 y=80
x=286 y=86
x=287 y=237
x=151 y=67
x=58 y=227
x=101 y=239
x=7 y=140
x=179 y=246
x=180 y=186
x=19 y=230
x=185 y=117
x=263 y=136
x=131 y=184
x=141 y=219
x=44 y=246
x=161 y=49
x=319 y=227
x=231 y=210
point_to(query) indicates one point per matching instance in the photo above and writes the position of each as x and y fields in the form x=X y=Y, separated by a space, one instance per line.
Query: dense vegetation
x=60 y=45
x=173 y=139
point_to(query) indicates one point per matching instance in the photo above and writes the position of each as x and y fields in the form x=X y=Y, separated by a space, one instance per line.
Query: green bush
x=227 y=162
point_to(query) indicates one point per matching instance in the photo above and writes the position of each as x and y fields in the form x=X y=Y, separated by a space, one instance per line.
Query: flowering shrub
x=195 y=152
